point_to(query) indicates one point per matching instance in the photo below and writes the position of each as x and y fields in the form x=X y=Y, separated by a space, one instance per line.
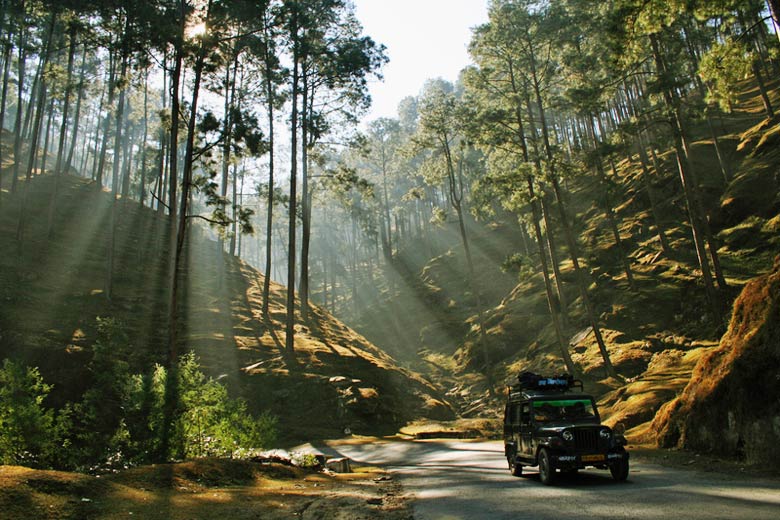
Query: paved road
x=452 y=480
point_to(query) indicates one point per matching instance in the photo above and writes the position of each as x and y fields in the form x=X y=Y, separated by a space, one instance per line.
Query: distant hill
x=52 y=291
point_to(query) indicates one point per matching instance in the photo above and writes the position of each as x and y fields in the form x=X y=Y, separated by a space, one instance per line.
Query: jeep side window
x=525 y=414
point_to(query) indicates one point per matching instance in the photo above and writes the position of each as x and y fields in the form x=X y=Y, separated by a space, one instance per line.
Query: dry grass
x=201 y=489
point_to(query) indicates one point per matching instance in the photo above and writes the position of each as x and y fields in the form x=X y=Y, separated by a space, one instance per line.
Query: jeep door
x=526 y=447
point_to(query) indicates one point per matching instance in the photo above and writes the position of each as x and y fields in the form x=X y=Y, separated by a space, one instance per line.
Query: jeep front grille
x=586 y=439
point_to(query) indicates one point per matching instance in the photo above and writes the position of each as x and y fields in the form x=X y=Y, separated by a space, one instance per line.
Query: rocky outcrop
x=731 y=406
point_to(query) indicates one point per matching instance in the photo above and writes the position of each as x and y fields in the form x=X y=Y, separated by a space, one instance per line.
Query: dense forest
x=601 y=167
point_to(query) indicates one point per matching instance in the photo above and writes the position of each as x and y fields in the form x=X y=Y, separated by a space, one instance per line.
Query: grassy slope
x=52 y=290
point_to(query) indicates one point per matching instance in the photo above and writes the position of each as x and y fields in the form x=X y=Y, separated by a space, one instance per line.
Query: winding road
x=451 y=479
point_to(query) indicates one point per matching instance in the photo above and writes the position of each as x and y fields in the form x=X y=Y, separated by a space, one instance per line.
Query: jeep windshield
x=556 y=410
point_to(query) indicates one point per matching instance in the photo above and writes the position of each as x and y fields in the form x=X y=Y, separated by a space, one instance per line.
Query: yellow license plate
x=592 y=458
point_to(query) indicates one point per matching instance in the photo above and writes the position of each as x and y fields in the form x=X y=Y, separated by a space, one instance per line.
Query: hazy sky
x=424 y=39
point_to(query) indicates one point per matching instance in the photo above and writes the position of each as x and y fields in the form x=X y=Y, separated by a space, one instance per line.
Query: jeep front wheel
x=619 y=470
x=546 y=471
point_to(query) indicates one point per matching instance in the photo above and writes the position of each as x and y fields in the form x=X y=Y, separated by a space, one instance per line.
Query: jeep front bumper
x=570 y=461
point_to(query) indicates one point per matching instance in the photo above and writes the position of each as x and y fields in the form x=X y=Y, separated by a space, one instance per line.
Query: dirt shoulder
x=202 y=489
x=676 y=458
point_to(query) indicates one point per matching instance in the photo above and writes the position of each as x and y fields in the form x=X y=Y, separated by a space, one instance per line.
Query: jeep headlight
x=567 y=436
x=605 y=434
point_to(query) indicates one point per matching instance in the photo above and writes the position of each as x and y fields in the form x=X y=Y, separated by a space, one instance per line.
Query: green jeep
x=550 y=423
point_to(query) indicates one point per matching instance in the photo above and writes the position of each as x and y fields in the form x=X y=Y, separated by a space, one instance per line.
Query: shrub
x=206 y=422
x=29 y=432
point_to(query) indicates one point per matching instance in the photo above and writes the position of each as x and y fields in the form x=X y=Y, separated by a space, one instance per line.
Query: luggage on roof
x=532 y=381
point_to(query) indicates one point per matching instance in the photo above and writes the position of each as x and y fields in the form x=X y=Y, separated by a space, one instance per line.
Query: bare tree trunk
x=119 y=120
x=689 y=185
x=652 y=198
x=44 y=152
x=290 y=323
x=77 y=115
x=269 y=95
x=63 y=129
x=98 y=174
x=6 y=73
x=610 y=370
x=305 y=195
x=770 y=111
x=20 y=77
x=39 y=109
x=142 y=190
x=552 y=304
x=173 y=144
x=609 y=211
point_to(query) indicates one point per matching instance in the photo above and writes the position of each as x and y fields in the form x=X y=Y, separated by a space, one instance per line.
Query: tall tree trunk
x=552 y=305
x=20 y=77
x=770 y=111
x=66 y=100
x=230 y=93
x=290 y=322
x=573 y=250
x=173 y=143
x=39 y=109
x=162 y=181
x=77 y=115
x=551 y=302
x=63 y=129
x=44 y=152
x=178 y=234
x=455 y=185
x=127 y=144
x=688 y=182
x=269 y=95
x=118 y=124
x=28 y=113
x=98 y=174
x=142 y=190
x=647 y=183
x=609 y=211
x=303 y=294
x=6 y=73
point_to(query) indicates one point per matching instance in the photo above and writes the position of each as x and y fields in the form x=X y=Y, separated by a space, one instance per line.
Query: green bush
x=121 y=419
x=30 y=434
x=98 y=431
x=206 y=422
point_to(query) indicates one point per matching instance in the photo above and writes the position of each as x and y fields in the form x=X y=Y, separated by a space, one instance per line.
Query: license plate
x=592 y=458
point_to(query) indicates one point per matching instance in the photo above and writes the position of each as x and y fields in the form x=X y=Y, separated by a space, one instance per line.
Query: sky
x=424 y=38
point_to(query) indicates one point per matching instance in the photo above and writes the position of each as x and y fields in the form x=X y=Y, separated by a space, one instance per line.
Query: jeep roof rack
x=534 y=382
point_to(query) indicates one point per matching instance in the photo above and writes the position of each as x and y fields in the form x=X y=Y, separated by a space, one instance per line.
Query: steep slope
x=53 y=289
x=731 y=406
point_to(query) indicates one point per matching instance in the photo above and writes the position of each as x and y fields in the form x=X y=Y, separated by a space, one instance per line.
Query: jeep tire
x=619 y=470
x=515 y=468
x=546 y=470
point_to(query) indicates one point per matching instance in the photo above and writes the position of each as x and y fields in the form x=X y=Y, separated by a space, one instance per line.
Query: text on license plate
x=592 y=458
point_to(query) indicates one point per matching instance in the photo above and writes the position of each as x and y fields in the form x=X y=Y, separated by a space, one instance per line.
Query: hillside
x=655 y=334
x=729 y=406
x=53 y=291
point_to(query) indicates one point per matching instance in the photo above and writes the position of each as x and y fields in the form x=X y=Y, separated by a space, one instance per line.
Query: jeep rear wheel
x=619 y=470
x=515 y=468
x=546 y=471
